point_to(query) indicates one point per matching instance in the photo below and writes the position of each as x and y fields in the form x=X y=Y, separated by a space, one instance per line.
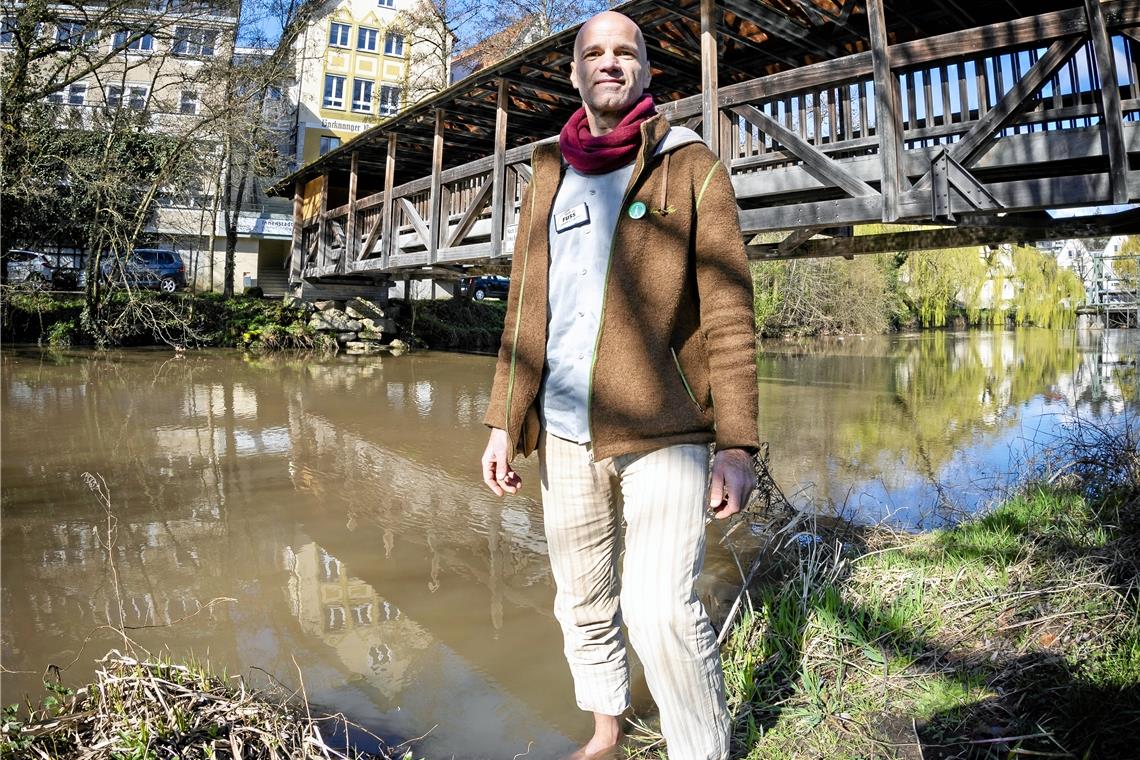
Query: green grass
x=1023 y=622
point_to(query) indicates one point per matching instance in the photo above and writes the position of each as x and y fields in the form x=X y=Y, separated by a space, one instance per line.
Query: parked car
x=487 y=286
x=22 y=265
x=146 y=268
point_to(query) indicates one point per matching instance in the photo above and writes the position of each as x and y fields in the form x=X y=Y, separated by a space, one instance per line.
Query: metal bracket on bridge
x=946 y=173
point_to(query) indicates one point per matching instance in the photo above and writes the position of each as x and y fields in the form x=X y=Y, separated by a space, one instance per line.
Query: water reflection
x=330 y=515
x=908 y=427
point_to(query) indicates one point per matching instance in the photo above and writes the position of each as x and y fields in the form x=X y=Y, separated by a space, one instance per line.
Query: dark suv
x=146 y=268
x=487 y=286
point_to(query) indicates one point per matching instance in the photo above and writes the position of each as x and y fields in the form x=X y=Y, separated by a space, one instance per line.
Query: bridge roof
x=755 y=38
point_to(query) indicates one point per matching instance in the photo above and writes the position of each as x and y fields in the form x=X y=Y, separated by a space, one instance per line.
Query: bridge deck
x=972 y=134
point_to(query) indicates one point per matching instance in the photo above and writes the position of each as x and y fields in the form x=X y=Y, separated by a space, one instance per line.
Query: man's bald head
x=610 y=69
x=618 y=20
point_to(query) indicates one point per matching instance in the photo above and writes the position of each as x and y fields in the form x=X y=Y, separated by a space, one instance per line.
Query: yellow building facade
x=352 y=72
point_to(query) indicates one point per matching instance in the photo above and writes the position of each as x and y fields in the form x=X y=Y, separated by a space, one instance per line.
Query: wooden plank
x=371 y=236
x=322 y=225
x=499 y=172
x=436 y=217
x=1112 y=117
x=815 y=161
x=386 y=242
x=888 y=120
x=979 y=139
x=418 y=224
x=709 y=90
x=351 y=243
x=933 y=238
x=296 y=253
x=795 y=239
x=470 y=215
x=1038 y=152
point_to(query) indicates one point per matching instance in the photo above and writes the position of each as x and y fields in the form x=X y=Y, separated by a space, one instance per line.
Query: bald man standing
x=629 y=349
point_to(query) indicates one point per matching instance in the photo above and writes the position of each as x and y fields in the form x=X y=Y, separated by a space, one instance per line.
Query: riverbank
x=196 y=320
x=1013 y=634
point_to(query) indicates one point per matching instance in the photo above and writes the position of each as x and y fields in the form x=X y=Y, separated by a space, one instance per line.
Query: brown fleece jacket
x=676 y=352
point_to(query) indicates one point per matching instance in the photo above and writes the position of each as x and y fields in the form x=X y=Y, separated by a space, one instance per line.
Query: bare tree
x=253 y=127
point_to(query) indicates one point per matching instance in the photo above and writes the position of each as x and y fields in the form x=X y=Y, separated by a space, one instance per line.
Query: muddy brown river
x=328 y=517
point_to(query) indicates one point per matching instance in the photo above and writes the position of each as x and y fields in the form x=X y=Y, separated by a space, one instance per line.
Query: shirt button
x=593 y=192
x=581 y=314
x=581 y=356
x=583 y=272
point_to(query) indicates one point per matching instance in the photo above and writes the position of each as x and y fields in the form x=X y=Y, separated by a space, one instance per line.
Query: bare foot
x=603 y=745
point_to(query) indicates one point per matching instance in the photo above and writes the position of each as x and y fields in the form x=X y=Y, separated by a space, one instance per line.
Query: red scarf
x=599 y=155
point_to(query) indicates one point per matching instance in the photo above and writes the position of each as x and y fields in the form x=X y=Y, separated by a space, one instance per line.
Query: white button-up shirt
x=582 y=224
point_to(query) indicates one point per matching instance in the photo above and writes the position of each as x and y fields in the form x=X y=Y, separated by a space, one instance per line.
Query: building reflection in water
x=340 y=506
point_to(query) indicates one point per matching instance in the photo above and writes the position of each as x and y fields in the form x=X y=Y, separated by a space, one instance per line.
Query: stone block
x=362 y=308
x=345 y=337
x=360 y=347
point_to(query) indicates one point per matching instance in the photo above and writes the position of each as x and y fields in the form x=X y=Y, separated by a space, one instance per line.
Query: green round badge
x=636 y=210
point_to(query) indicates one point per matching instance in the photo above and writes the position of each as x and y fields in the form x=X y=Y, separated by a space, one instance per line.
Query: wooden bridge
x=962 y=122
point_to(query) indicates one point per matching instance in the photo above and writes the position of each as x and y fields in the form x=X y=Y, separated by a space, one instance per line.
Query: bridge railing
x=988 y=122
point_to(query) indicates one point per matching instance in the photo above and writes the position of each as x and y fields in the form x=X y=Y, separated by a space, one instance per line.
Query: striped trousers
x=662 y=496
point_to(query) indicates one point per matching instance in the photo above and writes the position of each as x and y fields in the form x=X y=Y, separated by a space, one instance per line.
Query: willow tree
x=1044 y=294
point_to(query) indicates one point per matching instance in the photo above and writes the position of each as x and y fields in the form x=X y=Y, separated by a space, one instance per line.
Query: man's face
x=610 y=68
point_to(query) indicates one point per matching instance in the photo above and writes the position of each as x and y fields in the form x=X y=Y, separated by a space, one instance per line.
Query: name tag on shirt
x=572 y=217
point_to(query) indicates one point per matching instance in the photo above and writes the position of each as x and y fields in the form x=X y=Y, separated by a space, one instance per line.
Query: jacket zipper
x=684 y=380
x=602 y=316
x=518 y=311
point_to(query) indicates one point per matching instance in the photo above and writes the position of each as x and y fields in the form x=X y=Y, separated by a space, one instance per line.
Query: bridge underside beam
x=933 y=238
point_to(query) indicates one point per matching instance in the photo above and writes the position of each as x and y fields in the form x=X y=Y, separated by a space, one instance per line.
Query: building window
x=386 y=3
x=71 y=34
x=366 y=39
x=189 y=103
x=77 y=94
x=329 y=142
x=133 y=41
x=334 y=618
x=338 y=34
x=330 y=567
x=362 y=96
x=389 y=100
x=136 y=95
x=334 y=91
x=191 y=41
x=362 y=614
x=394 y=44
x=55 y=97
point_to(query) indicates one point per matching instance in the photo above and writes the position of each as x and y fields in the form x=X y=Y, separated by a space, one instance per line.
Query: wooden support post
x=1112 y=117
x=351 y=236
x=296 y=251
x=437 y=218
x=387 y=244
x=710 y=101
x=322 y=222
x=888 y=113
x=499 y=172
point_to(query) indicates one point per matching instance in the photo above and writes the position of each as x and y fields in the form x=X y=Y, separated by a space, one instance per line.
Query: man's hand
x=732 y=482
x=497 y=472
